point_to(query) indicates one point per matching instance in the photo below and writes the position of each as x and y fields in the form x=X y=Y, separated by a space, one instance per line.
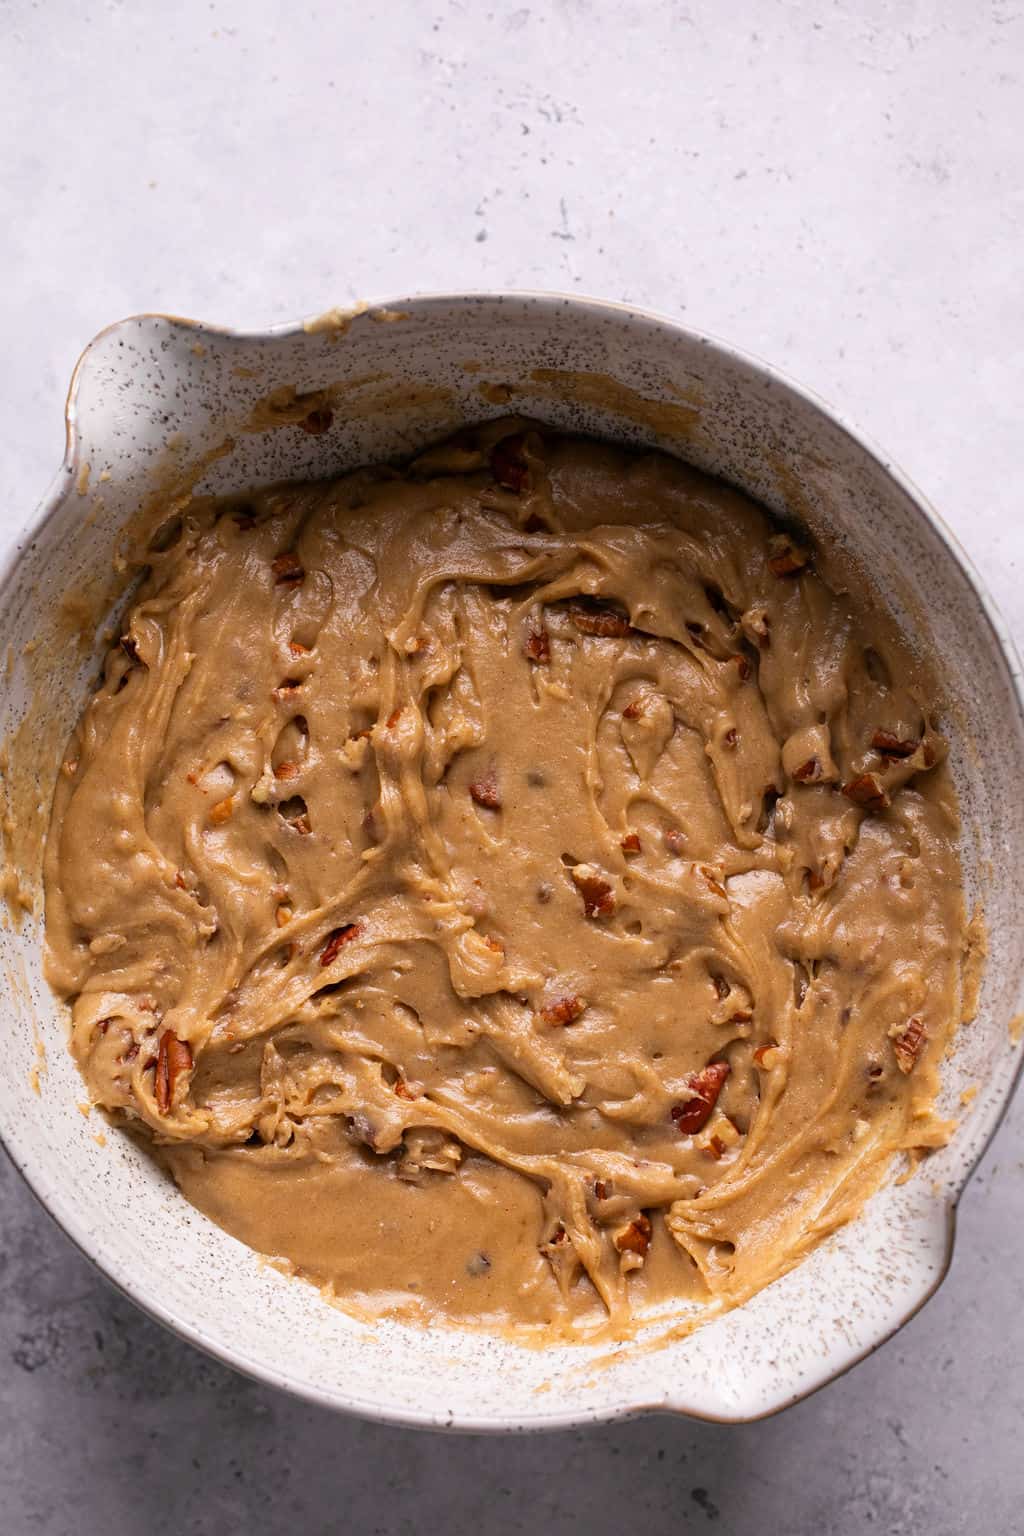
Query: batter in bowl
x=517 y=890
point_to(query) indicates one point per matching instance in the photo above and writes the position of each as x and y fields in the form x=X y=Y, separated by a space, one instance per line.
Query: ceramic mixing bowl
x=160 y=405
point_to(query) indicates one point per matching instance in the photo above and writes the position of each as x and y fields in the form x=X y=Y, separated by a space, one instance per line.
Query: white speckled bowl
x=150 y=397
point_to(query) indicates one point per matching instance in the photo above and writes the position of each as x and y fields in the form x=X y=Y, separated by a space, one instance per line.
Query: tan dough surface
x=516 y=890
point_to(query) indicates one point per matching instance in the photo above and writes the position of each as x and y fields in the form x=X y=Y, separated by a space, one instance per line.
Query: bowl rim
x=63 y=1211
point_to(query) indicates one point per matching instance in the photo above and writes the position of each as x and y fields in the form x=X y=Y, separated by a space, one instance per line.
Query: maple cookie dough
x=516 y=890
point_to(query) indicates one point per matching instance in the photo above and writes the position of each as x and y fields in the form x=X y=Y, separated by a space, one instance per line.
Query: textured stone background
x=836 y=186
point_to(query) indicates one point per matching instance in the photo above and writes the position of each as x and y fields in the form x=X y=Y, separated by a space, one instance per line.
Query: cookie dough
x=516 y=890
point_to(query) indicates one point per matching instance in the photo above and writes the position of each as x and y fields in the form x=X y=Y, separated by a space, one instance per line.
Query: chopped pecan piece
x=337 y=940
x=509 y=464
x=287 y=771
x=634 y=710
x=560 y=1251
x=908 y=1043
x=767 y=1056
x=563 y=1010
x=293 y=811
x=597 y=893
x=714 y=1148
x=602 y=1189
x=484 y=790
x=630 y=843
x=428 y=1150
x=394 y=717
x=594 y=618
x=403 y=1090
x=704 y=1086
x=173 y=1059
x=757 y=626
x=301 y=825
x=892 y=746
x=785 y=558
x=318 y=421
x=636 y=1237
x=537 y=646
x=556 y=1242
x=867 y=790
x=298 y=649
x=809 y=772
x=222 y=811
x=287 y=569
x=713 y=881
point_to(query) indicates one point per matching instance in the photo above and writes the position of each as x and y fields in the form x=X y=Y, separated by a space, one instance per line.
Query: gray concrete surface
x=836 y=186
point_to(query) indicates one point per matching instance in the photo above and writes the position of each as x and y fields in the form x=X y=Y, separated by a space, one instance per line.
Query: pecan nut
x=785 y=557
x=287 y=569
x=563 y=1010
x=595 y=618
x=485 y=792
x=908 y=1043
x=337 y=940
x=890 y=745
x=222 y=811
x=173 y=1060
x=634 y=1238
x=867 y=790
x=810 y=772
x=318 y=421
x=597 y=893
x=704 y=1087
x=537 y=646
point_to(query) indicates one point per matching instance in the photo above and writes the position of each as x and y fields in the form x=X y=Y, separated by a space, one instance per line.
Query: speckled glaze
x=154 y=397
